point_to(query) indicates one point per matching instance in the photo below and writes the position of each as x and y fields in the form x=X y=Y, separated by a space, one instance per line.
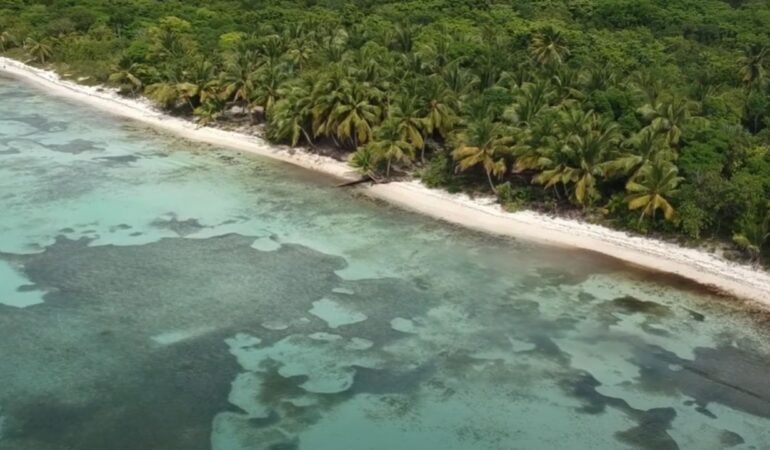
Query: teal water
x=158 y=294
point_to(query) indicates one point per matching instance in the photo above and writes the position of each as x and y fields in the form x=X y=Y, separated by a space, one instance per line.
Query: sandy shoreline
x=480 y=214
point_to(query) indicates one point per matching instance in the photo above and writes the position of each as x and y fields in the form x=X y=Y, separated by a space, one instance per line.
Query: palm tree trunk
x=387 y=169
x=491 y=184
x=307 y=136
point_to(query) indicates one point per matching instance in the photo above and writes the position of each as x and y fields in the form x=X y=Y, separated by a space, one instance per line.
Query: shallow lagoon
x=159 y=294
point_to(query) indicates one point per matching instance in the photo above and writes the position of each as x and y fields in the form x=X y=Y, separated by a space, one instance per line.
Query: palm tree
x=483 y=143
x=435 y=55
x=649 y=84
x=267 y=85
x=752 y=66
x=390 y=145
x=403 y=37
x=585 y=156
x=459 y=79
x=39 y=50
x=441 y=108
x=407 y=117
x=530 y=100
x=199 y=83
x=6 y=40
x=565 y=84
x=291 y=115
x=548 y=48
x=669 y=118
x=646 y=147
x=753 y=236
x=354 y=115
x=364 y=160
x=128 y=76
x=208 y=111
x=598 y=77
x=651 y=191
x=169 y=94
x=301 y=52
x=237 y=80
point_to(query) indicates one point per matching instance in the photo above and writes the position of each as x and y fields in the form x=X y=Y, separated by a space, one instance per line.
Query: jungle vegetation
x=651 y=115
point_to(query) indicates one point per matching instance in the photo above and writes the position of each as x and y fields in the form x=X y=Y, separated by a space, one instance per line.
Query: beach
x=483 y=214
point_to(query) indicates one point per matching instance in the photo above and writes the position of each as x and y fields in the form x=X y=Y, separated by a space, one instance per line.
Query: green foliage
x=657 y=106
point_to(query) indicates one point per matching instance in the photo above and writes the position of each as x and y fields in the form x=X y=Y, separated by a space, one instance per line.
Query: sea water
x=161 y=294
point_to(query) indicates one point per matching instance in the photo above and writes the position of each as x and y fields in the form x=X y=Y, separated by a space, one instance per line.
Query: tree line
x=644 y=114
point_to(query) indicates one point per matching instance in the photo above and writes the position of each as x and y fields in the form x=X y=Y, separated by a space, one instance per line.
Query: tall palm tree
x=459 y=79
x=440 y=109
x=267 y=84
x=646 y=147
x=355 y=114
x=6 y=40
x=598 y=77
x=237 y=80
x=435 y=55
x=565 y=82
x=669 y=118
x=364 y=160
x=484 y=143
x=129 y=76
x=649 y=84
x=407 y=116
x=529 y=101
x=548 y=47
x=584 y=157
x=652 y=190
x=200 y=84
x=752 y=66
x=752 y=236
x=39 y=50
x=390 y=145
x=291 y=115
x=403 y=37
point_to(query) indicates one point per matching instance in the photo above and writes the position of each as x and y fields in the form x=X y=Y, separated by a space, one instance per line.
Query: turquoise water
x=158 y=294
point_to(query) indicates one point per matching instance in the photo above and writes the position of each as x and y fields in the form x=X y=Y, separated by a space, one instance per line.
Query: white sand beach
x=739 y=280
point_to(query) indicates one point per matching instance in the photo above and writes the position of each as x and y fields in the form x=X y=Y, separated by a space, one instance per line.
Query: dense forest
x=651 y=115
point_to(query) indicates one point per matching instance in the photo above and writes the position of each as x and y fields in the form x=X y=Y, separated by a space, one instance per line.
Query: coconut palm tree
x=364 y=160
x=402 y=39
x=390 y=145
x=598 y=78
x=646 y=147
x=669 y=118
x=237 y=80
x=355 y=114
x=292 y=114
x=459 y=79
x=548 y=47
x=651 y=191
x=484 y=143
x=39 y=50
x=6 y=40
x=267 y=85
x=128 y=76
x=648 y=84
x=753 y=236
x=529 y=101
x=585 y=156
x=408 y=119
x=199 y=84
x=440 y=109
x=752 y=66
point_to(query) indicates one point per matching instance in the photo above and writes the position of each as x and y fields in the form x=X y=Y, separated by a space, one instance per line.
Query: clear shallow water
x=159 y=294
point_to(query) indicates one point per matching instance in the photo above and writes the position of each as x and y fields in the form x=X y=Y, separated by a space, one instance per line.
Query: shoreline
x=484 y=214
